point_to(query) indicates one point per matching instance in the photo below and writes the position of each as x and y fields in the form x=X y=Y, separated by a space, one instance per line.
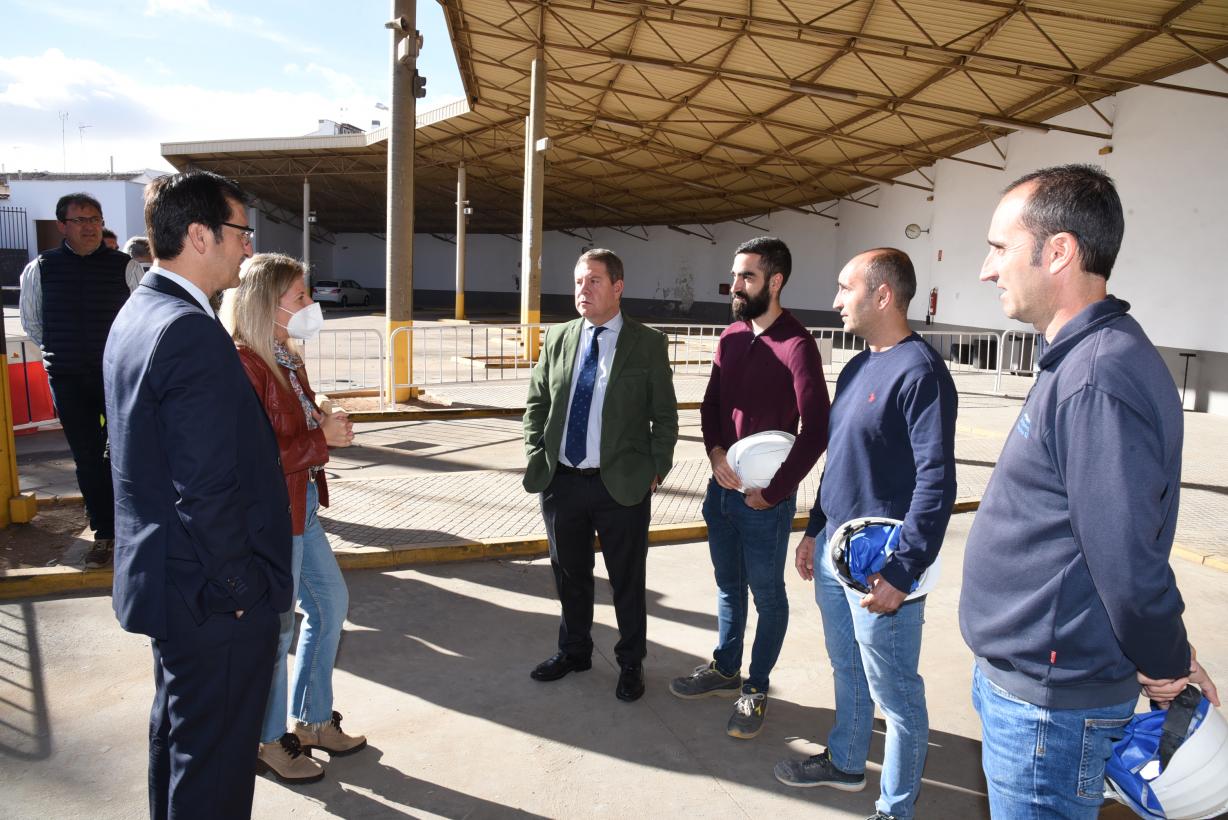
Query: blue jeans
x=1044 y=763
x=320 y=591
x=874 y=660
x=748 y=549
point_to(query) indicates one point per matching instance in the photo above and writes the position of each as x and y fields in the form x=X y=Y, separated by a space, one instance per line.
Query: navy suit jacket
x=201 y=508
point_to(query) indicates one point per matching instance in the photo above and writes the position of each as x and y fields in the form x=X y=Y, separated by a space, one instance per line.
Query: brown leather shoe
x=329 y=737
x=284 y=758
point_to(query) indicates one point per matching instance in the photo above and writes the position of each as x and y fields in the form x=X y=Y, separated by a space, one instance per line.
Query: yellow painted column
x=535 y=146
x=399 y=261
x=400 y=359
x=462 y=208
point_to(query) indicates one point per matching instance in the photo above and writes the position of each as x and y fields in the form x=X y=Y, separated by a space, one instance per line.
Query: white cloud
x=205 y=11
x=130 y=114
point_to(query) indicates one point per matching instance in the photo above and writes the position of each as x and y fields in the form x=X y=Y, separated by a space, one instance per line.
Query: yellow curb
x=436 y=414
x=40 y=581
x=439 y=414
x=59 y=500
x=358 y=393
x=1216 y=562
x=1192 y=555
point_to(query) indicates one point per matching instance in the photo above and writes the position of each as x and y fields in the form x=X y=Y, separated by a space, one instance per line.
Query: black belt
x=586 y=471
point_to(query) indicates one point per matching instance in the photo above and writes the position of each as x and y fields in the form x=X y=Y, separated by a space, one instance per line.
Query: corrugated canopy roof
x=685 y=113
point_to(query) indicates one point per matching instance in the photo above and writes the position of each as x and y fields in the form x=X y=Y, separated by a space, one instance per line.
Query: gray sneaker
x=817 y=770
x=100 y=554
x=705 y=681
x=747 y=717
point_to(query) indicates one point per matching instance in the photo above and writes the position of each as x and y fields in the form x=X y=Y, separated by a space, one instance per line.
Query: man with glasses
x=202 y=524
x=69 y=297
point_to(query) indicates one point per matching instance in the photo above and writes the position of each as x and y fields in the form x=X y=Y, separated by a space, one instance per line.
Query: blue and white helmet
x=860 y=547
x=1172 y=764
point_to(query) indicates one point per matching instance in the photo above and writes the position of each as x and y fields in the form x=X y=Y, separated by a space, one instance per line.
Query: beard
x=749 y=307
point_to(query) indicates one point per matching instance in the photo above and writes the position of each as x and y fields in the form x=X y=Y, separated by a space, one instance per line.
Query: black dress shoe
x=630 y=683
x=559 y=665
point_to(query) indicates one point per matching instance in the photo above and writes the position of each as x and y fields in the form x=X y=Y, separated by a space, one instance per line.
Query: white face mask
x=306 y=324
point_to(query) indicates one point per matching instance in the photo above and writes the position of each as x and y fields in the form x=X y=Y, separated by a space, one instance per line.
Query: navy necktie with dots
x=581 y=402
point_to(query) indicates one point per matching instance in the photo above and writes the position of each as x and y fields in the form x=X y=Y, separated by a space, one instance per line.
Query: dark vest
x=81 y=295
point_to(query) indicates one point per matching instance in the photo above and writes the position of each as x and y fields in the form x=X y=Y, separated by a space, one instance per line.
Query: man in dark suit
x=600 y=426
x=202 y=525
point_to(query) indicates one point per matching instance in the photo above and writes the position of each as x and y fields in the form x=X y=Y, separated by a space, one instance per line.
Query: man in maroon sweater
x=766 y=375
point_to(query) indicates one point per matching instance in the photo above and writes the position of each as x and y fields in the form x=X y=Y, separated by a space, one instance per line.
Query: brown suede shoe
x=100 y=554
x=329 y=737
x=284 y=758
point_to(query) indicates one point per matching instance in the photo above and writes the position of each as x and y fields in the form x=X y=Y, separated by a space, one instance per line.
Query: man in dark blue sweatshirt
x=1068 y=601
x=890 y=453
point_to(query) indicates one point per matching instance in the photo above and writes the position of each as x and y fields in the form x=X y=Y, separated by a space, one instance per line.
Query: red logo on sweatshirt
x=872 y=397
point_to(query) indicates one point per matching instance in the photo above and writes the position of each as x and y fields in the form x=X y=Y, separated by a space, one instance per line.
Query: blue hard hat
x=1172 y=764
x=860 y=548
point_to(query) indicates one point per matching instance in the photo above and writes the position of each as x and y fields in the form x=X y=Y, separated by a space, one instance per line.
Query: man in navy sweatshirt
x=1068 y=601
x=766 y=375
x=891 y=454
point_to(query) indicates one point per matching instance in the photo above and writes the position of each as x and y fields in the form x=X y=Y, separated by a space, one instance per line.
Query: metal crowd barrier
x=344 y=360
x=1019 y=350
x=451 y=354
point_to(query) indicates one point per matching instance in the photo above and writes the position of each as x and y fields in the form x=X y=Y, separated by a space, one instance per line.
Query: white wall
x=677 y=267
x=279 y=237
x=122 y=203
x=1170 y=167
x=1167 y=158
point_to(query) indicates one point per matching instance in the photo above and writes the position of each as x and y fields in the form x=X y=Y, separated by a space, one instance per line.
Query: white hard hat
x=861 y=546
x=756 y=458
x=1189 y=782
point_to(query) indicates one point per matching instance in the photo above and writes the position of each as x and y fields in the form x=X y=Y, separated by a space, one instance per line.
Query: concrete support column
x=531 y=228
x=461 y=204
x=399 y=262
x=307 y=227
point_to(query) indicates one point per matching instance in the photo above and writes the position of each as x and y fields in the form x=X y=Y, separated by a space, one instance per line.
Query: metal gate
x=14 y=251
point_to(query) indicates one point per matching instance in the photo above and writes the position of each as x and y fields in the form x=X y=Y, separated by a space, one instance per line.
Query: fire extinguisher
x=929 y=316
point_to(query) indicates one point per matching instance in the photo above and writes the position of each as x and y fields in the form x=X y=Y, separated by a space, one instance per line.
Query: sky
x=81 y=83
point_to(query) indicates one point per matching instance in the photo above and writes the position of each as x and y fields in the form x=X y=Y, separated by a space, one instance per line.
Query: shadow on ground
x=479 y=654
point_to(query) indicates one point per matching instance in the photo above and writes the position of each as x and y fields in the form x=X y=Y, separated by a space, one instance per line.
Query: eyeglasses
x=248 y=232
x=85 y=220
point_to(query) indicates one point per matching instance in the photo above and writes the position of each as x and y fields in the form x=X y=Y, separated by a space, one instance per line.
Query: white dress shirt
x=196 y=293
x=606 y=343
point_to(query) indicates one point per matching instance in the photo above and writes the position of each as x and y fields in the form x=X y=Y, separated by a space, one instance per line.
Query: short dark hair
x=107 y=233
x=774 y=255
x=1075 y=199
x=80 y=199
x=893 y=268
x=175 y=201
x=613 y=265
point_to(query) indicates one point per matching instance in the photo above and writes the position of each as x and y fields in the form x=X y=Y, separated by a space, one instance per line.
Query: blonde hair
x=250 y=310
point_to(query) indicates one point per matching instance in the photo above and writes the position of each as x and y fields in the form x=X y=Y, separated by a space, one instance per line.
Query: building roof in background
x=673 y=112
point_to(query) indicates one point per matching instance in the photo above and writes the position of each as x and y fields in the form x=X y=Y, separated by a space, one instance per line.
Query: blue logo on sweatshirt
x=1024 y=425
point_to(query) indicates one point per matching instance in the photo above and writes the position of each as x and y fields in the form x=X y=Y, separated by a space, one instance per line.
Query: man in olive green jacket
x=600 y=425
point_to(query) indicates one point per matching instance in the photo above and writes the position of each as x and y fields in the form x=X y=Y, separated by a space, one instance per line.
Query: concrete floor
x=434 y=669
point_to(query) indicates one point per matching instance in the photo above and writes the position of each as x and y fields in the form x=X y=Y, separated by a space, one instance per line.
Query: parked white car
x=343 y=292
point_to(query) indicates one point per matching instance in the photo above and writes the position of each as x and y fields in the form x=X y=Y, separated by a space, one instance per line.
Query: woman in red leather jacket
x=270 y=308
